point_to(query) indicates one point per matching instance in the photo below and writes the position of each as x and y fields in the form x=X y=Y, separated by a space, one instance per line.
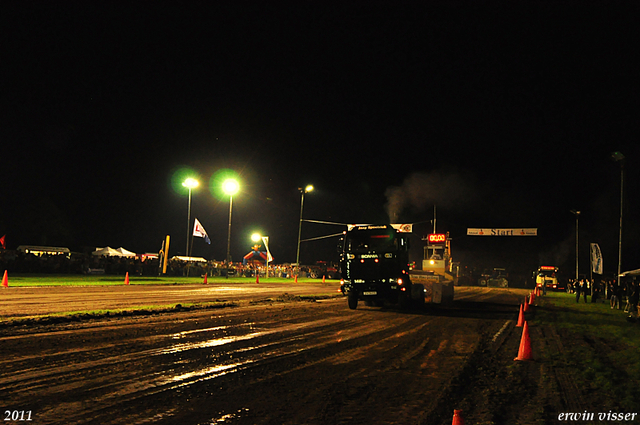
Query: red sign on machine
x=437 y=238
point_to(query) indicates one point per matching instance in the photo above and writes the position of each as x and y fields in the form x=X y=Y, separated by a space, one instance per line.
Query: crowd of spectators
x=82 y=263
x=615 y=292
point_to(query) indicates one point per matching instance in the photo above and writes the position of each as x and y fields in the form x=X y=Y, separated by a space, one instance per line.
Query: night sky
x=501 y=114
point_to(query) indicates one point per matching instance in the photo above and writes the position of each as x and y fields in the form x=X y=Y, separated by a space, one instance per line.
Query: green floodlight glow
x=180 y=177
x=224 y=183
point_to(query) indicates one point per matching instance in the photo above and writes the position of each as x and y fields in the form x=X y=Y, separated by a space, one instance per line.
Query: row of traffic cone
x=5 y=279
x=524 y=351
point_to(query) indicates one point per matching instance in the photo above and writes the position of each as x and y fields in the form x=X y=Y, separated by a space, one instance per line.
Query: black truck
x=374 y=262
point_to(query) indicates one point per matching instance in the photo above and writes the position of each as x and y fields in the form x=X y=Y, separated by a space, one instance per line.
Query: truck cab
x=374 y=262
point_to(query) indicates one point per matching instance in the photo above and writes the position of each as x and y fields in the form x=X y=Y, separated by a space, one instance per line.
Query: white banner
x=403 y=228
x=596 y=259
x=502 y=232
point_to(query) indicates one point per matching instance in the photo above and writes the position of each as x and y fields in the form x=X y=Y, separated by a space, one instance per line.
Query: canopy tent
x=126 y=252
x=189 y=259
x=255 y=256
x=111 y=252
x=40 y=250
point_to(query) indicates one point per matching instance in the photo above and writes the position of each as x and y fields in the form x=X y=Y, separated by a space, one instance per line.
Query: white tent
x=126 y=252
x=189 y=259
x=110 y=252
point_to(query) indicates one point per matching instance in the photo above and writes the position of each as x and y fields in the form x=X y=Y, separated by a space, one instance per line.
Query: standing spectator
x=627 y=293
x=586 y=289
x=615 y=300
x=578 y=288
x=597 y=291
x=633 y=300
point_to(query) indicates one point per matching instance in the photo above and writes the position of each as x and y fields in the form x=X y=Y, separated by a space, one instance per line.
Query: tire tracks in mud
x=284 y=363
x=105 y=376
x=493 y=388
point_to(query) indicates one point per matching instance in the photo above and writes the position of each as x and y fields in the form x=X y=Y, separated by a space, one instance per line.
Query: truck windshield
x=371 y=242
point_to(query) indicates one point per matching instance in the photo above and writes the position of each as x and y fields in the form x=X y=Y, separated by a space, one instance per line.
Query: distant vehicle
x=547 y=276
x=497 y=278
x=374 y=261
x=320 y=269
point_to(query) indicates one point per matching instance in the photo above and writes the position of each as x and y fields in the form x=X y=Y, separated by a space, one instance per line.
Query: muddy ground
x=276 y=359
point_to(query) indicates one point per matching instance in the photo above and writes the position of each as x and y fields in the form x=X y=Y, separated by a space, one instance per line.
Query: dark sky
x=502 y=114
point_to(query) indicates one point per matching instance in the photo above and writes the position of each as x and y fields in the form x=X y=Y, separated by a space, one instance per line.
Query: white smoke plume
x=420 y=191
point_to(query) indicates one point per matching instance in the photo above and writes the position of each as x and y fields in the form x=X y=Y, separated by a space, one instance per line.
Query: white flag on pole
x=199 y=231
x=265 y=241
x=596 y=258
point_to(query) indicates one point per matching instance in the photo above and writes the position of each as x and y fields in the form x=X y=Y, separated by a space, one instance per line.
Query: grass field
x=601 y=345
x=108 y=280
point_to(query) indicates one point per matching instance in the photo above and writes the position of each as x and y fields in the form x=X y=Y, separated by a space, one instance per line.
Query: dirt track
x=275 y=362
x=20 y=302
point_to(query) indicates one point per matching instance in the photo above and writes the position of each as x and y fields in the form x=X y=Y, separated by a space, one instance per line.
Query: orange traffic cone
x=296 y=279
x=526 y=304
x=323 y=279
x=205 y=279
x=457 y=418
x=520 y=318
x=126 y=279
x=524 y=353
x=531 y=298
x=257 y=278
x=5 y=280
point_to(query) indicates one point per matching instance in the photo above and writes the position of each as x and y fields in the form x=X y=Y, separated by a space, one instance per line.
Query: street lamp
x=307 y=189
x=577 y=214
x=189 y=183
x=619 y=157
x=230 y=187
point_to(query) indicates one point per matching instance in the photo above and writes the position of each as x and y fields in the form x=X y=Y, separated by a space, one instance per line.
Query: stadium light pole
x=190 y=184
x=619 y=158
x=307 y=189
x=230 y=187
x=577 y=214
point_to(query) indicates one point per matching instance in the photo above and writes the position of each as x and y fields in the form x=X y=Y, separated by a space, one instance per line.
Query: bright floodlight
x=309 y=188
x=190 y=183
x=256 y=237
x=230 y=187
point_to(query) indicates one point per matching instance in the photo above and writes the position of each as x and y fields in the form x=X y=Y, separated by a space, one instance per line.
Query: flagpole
x=189 y=183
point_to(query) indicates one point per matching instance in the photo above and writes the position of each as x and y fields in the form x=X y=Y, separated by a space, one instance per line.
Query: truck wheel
x=352 y=299
x=417 y=293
